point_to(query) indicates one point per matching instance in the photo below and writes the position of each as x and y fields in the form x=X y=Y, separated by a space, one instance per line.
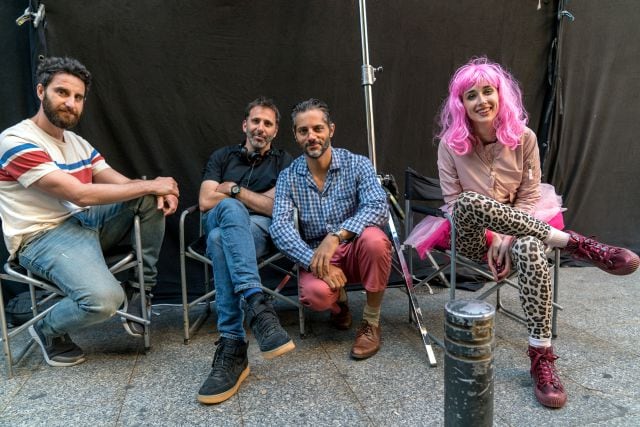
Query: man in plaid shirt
x=341 y=207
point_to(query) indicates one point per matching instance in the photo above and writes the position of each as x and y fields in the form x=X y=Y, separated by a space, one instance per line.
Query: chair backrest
x=422 y=195
x=418 y=187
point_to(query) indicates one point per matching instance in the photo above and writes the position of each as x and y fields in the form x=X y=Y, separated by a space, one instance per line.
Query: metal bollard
x=468 y=363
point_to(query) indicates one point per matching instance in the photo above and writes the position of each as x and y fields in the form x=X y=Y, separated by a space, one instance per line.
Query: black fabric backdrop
x=172 y=80
x=594 y=157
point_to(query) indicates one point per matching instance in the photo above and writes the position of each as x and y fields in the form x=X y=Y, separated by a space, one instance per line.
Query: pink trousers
x=366 y=260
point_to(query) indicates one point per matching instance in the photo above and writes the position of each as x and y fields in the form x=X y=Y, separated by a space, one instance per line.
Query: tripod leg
x=413 y=302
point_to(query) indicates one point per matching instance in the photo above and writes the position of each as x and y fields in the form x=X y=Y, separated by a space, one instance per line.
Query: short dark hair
x=311 y=104
x=51 y=66
x=264 y=102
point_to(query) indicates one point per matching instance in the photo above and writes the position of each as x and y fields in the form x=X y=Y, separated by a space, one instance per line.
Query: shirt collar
x=336 y=162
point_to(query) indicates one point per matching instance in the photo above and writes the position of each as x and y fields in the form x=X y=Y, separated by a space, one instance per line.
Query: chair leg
x=441 y=274
x=6 y=346
x=146 y=314
x=556 y=283
x=192 y=327
x=185 y=297
x=183 y=279
x=501 y=307
x=11 y=358
x=301 y=321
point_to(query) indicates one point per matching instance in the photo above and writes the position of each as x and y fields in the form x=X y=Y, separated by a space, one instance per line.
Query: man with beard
x=341 y=206
x=237 y=197
x=61 y=204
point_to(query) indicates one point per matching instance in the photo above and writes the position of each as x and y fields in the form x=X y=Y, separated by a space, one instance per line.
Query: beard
x=259 y=145
x=56 y=118
x=317 y=152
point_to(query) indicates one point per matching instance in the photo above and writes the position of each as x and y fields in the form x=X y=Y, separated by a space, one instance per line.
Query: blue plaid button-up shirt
x=352 y=199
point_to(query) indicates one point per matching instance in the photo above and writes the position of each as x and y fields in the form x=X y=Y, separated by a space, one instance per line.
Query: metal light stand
x=368 y=78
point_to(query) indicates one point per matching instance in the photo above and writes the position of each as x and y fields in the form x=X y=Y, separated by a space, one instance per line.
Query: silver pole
x=368 y=78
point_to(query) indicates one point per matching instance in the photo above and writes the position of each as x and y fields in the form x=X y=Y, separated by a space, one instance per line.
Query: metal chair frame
x=434 y=194
x=398 y=263
x=187 y=251
x=15 y=273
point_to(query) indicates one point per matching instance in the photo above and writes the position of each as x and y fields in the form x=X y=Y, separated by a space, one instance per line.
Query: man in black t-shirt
x=236 y=195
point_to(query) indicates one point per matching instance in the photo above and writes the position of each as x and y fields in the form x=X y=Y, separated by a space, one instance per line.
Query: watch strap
x=339 y=236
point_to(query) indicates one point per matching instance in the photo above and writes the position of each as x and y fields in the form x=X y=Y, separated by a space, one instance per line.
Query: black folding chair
x=423 y=196
x=196 y=251
x=119 y=259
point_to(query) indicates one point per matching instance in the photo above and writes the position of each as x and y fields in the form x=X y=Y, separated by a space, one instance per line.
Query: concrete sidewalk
x=318 y=384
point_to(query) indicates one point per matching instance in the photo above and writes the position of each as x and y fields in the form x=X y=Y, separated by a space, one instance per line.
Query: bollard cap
x=469 y=309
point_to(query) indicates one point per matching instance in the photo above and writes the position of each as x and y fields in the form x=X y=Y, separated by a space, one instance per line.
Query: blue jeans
x=71 y=257
x=235 y=239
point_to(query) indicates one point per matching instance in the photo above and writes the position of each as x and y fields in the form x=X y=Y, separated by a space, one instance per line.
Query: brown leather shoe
x=342 y=319
x=367 y=341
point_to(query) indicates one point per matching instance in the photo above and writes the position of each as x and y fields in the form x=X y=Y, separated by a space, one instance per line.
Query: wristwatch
x=338 y=234
x=235 y=190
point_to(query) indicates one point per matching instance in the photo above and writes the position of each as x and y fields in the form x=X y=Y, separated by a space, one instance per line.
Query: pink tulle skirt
x=435 y=232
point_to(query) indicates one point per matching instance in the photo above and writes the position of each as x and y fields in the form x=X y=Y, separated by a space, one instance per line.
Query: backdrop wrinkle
x=172 y=80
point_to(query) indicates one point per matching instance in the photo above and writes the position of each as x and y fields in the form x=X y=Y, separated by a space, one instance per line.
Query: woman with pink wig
x=489 y=169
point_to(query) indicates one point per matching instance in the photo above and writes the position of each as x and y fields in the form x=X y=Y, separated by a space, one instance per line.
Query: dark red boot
x=611 y=259
x=546 y=383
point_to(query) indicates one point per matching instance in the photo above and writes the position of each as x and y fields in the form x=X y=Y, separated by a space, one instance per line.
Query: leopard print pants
x=473 y=213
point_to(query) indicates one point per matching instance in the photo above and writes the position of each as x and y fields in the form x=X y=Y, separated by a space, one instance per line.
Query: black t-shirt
x=230 y=164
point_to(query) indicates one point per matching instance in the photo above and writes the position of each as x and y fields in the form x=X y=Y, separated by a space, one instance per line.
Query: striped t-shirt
x=27 y=153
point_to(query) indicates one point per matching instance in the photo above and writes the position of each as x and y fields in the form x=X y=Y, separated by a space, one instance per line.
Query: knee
x=317 y=296
x=467 y=200
x=228 y=210
x=528 y=245
x=148 y=205
x=230 y=206
x=529 y=256
x=374 y=242
x=103 y=302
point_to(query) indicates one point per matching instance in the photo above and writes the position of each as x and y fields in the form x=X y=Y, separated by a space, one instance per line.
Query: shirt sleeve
x=449 y=180
x=284 y=233
x=26 y=162
x=98 y=162
x=373 y=209
x=528 y=192
x=214 y=168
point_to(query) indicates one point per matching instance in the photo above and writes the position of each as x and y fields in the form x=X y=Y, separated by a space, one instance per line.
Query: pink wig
x=510 y=122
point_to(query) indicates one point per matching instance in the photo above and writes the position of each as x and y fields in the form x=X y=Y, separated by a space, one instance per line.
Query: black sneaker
x=273 y=340
x=133 y=307
x=57 y=351
x=229 y=368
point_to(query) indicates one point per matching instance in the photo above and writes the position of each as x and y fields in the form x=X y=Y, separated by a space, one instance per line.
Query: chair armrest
x=183 y=217
x=188 y=211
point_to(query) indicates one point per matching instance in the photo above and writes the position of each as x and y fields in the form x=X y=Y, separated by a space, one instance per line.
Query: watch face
x=235 y=190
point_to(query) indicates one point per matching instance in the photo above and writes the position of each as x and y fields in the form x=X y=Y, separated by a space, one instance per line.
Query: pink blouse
x=508 y=176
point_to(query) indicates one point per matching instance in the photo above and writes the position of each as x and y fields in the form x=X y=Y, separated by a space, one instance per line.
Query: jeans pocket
x=28 y=261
